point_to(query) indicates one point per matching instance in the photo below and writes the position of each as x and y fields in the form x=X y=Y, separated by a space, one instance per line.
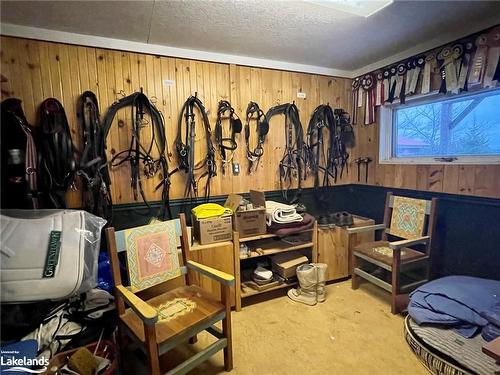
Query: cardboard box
x=249 y=222
x=213 y=229
x=286 y=264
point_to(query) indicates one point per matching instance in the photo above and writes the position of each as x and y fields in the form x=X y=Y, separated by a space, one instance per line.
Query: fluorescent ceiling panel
x=364 y=8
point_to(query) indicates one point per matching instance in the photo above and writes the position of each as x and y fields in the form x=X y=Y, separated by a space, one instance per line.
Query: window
x=461 y=129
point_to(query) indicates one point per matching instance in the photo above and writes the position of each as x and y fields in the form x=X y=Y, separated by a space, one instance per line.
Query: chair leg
x=396 y=257
x=152 y=349
x=228 y=350
x=193 y=340
x=226 y=329
x=354 y=277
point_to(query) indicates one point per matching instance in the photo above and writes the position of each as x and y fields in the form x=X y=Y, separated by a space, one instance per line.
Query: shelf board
x=258 y=237
x=282 y=249
x=253 y=292
x=196 y=246
x=270 y=235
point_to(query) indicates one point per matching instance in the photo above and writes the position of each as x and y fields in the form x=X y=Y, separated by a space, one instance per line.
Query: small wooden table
x=335 y=245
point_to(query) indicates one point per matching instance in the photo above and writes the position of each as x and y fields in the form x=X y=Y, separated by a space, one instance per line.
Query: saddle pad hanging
x=47 y=257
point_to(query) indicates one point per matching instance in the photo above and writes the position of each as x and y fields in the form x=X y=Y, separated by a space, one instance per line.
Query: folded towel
x=307 y=219
x=287 y=229
x=281 y=213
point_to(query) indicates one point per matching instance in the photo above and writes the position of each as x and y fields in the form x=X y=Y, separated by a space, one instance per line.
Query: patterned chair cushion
x=152 y=254
x=380 y=250
x=408 y=217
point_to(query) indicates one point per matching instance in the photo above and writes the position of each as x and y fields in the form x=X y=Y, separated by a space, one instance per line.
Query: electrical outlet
x=301 y=95
x=236 y=169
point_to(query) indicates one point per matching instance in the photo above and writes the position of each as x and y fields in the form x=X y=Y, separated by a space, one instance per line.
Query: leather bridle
x=262 y=128
x=27 y=176
x=96 y=195
x=140 y=152
x=226 y=145
x=186 y=150
x=340 y=136
x=58 y=160
x=292 y=165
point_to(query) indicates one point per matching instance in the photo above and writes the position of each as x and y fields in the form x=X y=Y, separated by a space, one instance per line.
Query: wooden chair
x=163 y=322
x=407 y=223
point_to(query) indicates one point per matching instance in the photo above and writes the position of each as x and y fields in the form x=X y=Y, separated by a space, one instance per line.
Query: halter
x=225 y=111
x=185 y=150
x=262 y=128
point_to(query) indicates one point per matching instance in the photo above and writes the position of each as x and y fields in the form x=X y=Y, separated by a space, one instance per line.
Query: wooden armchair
x=161 y=323
x=407 y=223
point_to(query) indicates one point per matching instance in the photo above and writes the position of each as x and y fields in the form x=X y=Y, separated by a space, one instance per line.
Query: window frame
x=387 y=132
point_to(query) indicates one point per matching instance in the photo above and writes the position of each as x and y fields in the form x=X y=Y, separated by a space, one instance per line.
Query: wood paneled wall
x=479 y=180
x=35 y=70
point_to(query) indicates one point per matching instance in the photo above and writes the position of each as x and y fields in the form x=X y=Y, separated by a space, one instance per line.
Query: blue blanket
x=468 y=304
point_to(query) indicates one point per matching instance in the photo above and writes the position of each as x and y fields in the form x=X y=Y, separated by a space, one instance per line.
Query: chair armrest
x=221 y=277
x=367 y=228
x=403 y=243
x=147 y=313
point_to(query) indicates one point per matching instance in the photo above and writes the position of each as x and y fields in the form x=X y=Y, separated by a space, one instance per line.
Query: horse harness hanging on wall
x=58 y=162
x=292 y=165
x=321 y=119
x=340 y=136
x=96 y=194
x=139 y=152
x=186 y=151
x=262 y=128
x=19 y=158
x=226 y=144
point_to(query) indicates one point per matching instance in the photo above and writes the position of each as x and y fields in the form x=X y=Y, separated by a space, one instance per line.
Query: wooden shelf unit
x=253 y=292
x=270 y=245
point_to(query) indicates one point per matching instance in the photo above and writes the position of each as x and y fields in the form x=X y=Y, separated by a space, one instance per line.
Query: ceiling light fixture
x=363 y=8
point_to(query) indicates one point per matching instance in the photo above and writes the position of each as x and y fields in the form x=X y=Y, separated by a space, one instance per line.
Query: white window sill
x=481 y=160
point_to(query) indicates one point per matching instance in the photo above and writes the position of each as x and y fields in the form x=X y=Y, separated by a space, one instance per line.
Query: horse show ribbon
x=392 y=84
x=400 y=79
x=430 y=64
x=386 y=74
x=479 y=61
x=465 y=66
x=419 y=63
x=355 y=97
x=368 y=85
x=492 y=61
x=379 y=89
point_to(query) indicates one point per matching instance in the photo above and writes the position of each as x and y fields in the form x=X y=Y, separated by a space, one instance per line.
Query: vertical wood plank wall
x=478 y=180
x=35 y=70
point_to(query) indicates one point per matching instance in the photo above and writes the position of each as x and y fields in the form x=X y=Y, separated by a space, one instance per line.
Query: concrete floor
x=353 y=332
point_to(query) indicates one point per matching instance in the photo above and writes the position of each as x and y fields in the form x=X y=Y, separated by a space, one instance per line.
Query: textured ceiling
x=292 y=31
